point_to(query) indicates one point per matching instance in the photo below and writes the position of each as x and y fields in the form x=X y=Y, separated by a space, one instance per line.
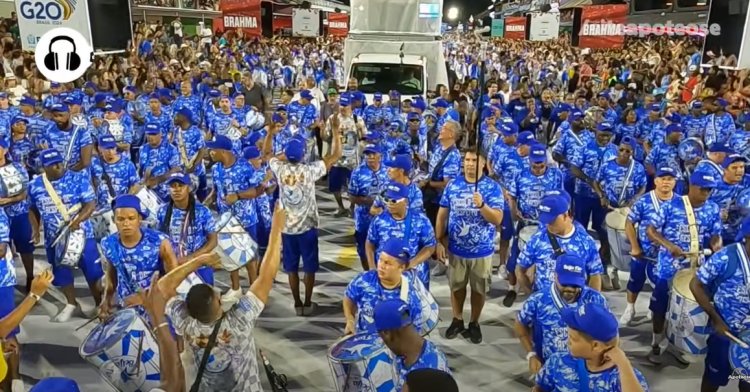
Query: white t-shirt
x=177 y=26
x=297 y=193
x=206 y=35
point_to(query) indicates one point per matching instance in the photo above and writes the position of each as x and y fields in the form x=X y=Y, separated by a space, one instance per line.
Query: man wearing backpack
x=725 y=279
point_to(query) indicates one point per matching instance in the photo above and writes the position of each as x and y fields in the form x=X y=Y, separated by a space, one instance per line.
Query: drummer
x=671 y=231
x=398 y=221
x=17 y=209
x=623 y=179
x=262 y=175
x=525 y=193
x=571 y=144
x=643 y=250
x=720 y=288
x=189 y=137
x=386 y=282
x=157 y=160
x=399 y=170
x=73 y=142
x=70 y=191
x=121 y=172
x=366 y=183
x=570 y=236
x=411 y=351
x=133 y=255
x=726 y=193
x=193 y=237
x=714 y=159
x=666 y=153
x=539 y=324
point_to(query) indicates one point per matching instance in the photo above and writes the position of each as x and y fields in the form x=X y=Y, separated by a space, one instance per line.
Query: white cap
x=693 y=68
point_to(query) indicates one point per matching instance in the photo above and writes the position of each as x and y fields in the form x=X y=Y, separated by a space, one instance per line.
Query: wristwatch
x=530 y=355
x=36 y=297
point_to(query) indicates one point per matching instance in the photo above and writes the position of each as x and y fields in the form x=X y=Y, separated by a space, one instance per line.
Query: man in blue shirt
x=596 y=362
x=72 y=141
x=365 y=186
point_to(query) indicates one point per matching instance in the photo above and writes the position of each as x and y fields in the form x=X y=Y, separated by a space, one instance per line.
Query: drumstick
x=140 y=351
x=91 y=320
x=736 y=340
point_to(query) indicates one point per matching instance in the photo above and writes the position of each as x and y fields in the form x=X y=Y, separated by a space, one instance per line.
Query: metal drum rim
x=101 y=350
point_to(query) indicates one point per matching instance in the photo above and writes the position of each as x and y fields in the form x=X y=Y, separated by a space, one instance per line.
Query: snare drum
x=688 y=328
x=525 y=235
x=619 y=246
x=361 y=363
x=237 y=247
x=151 y=201
x=125 y=352
x=12 y=181
x=69 y=250
x=103 y=223
x=184 y=287
x=739 y=358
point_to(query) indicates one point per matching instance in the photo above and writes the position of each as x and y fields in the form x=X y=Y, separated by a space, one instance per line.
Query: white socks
x=656 y=338
x=630 y=308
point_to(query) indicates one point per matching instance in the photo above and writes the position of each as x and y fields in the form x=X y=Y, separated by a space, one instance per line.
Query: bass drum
x=688 y=327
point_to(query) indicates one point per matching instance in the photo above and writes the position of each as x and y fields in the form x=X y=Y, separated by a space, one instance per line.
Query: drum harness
x=61 y=208
x=693 y=228
x=71 y=143
x=207 y=354
x=625 y=180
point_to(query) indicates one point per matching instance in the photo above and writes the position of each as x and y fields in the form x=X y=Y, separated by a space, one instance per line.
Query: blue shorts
x=338 y=177
x=640 y=269
x=89 y=265
x=20 y=233
x=304 y=245
x=660 y=298
x=206 y=274
x=507 y=231
x=7 y=305
x=717 y=368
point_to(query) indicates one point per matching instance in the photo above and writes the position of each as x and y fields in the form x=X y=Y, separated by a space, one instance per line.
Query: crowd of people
x=544 y=165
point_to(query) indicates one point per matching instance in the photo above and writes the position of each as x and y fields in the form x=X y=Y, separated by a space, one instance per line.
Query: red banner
x=239 y=14
x=338 y=24
x=281 y=22
x=515 y=27
x=602 y=26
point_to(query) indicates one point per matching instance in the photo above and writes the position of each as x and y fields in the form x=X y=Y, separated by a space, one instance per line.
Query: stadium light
x=453 y=13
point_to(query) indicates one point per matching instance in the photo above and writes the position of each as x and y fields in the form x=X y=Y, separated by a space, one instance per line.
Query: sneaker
x=457 y=326
x=615 y=278
x=309 y=310
x=440 y=269
x=475 y=333
x=654 y=356
x=502 y=272
x=510 y=298
x=17 y=386
x=678 y=355
x=65 y=314
x=627 y=317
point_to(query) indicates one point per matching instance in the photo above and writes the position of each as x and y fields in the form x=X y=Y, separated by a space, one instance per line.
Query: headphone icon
x=72 y=60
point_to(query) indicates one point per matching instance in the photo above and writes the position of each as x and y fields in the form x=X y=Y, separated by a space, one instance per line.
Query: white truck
x=395 y=45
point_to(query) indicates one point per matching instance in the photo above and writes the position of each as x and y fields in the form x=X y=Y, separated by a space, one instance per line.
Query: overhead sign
x=305 y=22
x=515 y=27
x=37 y=17
x=338 y=24
x=498 y=27
x=239 y=15
x=602 y=26
x=544 y=26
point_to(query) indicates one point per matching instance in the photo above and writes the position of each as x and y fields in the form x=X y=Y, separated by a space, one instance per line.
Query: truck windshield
x=383 y=77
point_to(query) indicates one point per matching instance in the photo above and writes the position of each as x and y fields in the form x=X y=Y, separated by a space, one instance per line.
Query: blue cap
x=56 y=384
x=744 y=230
x=655 y=107
x=152 y=129
x=730 y=159
x=720 y=147
x=396 y=191
x=73 y=99
x=107 y=142
x=214 y=93
x=220 y=142
x=253 y=137
x=28 y=101
x=401 y=161
x=373 y=136
x=281 y=108
x=165 y=93
x=182 y=178
x=294 y=150
x=413 y=116
x=358 y=96
x=113 y=107
x=441 y=103
x=100 y=97
x=604 y=127
x=3 y=95
x=628 y=141
x=391 y=314
x=50 y=157
x=372 y=149
x=130 y=201
x=54 y=85
x=395 y=125
x=563 y=107
x=59 y=108
x=419 y=104
x=696 y=105
x=674 y=117
x=394 y=94
x=575 y=114
x=154 y=96
x=526 y=138
x=251 y=152
x=604 y=94
x=703 y=180
x=673 y=128
x=91 y=85
x=344 y=100
x=129 y=89
x=4 y=143
x=666 y=171
x=551 y=207
x=722 y=102
x=509 y=128
x=185 y=111
x=538 y=154
x=378 y=96
x=277 y=118
x=561 y=193
x=396 y=248
x=18 y=119
x=570 y=270
x=306 y=94
x=592 y=319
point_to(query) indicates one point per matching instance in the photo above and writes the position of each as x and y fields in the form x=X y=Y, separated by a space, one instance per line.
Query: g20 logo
x=49 y=10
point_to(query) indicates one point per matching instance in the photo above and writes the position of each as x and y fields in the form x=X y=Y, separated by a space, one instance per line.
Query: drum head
x=356 y=347
x=223 y=220
x=527 y=232
x=107 y=334
x=616 y=220
x=681 y=283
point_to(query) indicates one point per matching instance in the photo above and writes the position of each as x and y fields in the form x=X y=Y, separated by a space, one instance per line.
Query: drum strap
x=692 y=226
x=556 y=250
x=184 y=235
x=71 y=143
x=744 y=262
x=559 y=303
x=55 y=198
x=625 y=181
x=404 y=289
x=207 y=354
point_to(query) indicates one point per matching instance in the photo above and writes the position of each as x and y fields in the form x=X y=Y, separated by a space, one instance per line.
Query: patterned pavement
x=298 y=347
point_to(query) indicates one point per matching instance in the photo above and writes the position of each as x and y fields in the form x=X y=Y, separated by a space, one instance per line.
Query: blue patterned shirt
x=732 y=298
x=73 y=188
x=642 y=214
x=366 y=182
x=159 y=161
x=187 y=240
x=135 y=266
x=68 y=143
x=560 y=374
x=7 y=269
x=430 y=358
x=619 y=187
x=528 y=189
x=589 y=160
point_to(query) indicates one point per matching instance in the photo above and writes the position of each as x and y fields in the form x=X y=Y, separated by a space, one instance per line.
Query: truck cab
x=385 y=72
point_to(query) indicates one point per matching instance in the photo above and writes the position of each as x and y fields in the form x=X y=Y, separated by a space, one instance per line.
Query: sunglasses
x=414 y=120
x=625 y=149
x=392 y=201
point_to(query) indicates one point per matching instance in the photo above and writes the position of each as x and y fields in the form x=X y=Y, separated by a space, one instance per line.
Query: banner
x=35 y=18
x=515 y=27
x=239 y=14
x=498 y=27
x=281 y=22
x=544 y=26
x=602 y=26
x=338 y=24
x=305 y=22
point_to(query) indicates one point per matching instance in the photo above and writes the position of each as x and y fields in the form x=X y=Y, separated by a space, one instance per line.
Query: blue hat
x=28 y=101
x=575 y=114
x=401 y=161
x=395 y=125
x=394 y=94
x=604 y=94
x=56 y=384
x=509 y=128
x=396 y=248
x=674 y=117
x=604 y=127
x=128 y=89
x=107 y=142
x=551 y=207
x=391 y=314
x=655 y=107
x=722 y=102
x=372 y=149
x=419 y=104
x=666 y=171
x=253 y=137
x=564 y=107
x=592 y=319
x=703 y=180
x=220 y=142
x=373 y=136
x=306 y=94
x=251 y=152
x=538 y=154
x=673 y=128
x=696 y=105
x=73 y=99
x=441 y=103
x=54 y=85
x=294 y=150
x=93 y=85
x=526 y=138
x=182 y=178
x=277 y=118
x=378 y=96
x=344 y=100
x=744 y=230
x=561 y=193
x=165 y=93
x=570 y=270
x=100 y=97
x=413 y=116
x=50 y=157
x=358 y=96
x=730 y=159
x=281 y=108
x=214 y=93
x=720 y=147
x=59 y=108
x=186 y=112
x=627 y=140
x=396 y=191
x=224 y=96
x=155 y=96
x=18 y=119
x=152 y=129
x=113 y=107
x=130 y=201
